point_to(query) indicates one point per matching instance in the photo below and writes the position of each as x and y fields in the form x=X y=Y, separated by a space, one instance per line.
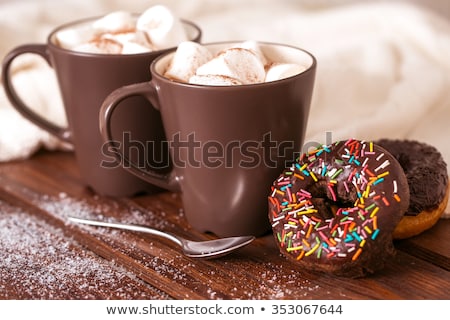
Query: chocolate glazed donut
x=426 y=172
x=334 y=210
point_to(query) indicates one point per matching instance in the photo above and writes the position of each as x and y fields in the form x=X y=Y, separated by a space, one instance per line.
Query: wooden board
x=43 y=256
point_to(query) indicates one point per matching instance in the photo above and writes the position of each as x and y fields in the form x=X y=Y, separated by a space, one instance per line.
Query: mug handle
x=147 y=90
x=41 y=50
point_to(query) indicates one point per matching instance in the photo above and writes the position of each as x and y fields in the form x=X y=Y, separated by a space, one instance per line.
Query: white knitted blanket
x=383 y=69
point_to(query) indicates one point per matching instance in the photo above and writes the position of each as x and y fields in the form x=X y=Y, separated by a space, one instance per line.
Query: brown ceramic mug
x=227 y=144
x=85 y=79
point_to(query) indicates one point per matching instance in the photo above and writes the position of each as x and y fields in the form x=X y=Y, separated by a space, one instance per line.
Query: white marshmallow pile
x=241 y=64
x=121 y=33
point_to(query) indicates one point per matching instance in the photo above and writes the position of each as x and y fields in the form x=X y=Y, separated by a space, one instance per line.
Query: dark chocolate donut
x=336 y=207
x=427 y=176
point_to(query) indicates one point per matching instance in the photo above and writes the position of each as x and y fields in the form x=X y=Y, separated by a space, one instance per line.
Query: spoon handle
x=131 y=227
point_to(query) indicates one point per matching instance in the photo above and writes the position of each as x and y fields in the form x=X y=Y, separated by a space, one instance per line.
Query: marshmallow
x=155 y=29
x=195 y=64
x=253 y=46
x=161 y=27
x=104 y=46
x=278 y=71
x=70 y=38
x=121 y=37
x=132 y=42
x=119 y=21
x=238 y=63
x=187 y=58
x=134 y=48
x=214 y=80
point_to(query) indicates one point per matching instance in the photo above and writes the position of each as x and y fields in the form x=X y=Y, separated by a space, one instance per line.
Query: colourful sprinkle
x=375 y=234
x=310 y=252
x=356 y=255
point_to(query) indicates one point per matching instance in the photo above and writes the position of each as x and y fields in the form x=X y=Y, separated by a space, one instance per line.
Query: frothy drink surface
x=239 y=64
x=121 y=32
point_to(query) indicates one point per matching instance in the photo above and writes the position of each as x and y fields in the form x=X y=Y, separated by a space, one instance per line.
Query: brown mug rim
x=156 y=74
x=51 y=36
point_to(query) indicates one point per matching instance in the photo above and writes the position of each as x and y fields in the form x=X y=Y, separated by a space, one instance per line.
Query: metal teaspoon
x=194 y=249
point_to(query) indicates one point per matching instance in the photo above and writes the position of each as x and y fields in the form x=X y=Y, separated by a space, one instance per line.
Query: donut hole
x=324 y=202
x=327 y=208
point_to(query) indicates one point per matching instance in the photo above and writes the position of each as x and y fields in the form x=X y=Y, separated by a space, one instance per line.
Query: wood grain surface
x=43 y=256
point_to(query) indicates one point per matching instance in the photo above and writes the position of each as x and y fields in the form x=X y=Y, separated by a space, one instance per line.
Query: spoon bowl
x=194 y=249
